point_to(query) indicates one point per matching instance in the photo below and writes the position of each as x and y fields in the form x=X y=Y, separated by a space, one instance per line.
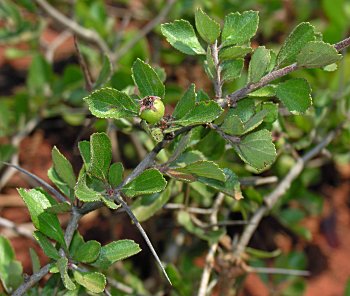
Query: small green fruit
x=152 y=109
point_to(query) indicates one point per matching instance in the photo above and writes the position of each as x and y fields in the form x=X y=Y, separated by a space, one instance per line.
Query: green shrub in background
x=204 y=157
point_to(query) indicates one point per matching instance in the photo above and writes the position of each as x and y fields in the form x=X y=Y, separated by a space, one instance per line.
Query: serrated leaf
x=317 y=54
x=297 y=39
x=62 y=207
x=147 y=205
x=111 y=103
x=232 y=125
x=207 y=28
x=295 y=94
x=180 y=34
x=203 y=168
x=202 y=113
x=147 y=80
x=62 y=265
x=76 y=243
x=258 y=64
x=272 y=111
x=101 y=155
x=257 y=149
x=84 y=149
x=116 y=251
x=230 y=186
x=255 y=121
x=148 y=182
x=109 y=202
x=88 y=252
x=85 y=193
x=47 y=223
x=94 y=282
x=239 y=28
x=63 y=167
x=233 y=52
x=45 y=244
x=231 y=69
x=105 y=73
x=186 y=103
x=34 y=257
x=115 y=174
x=61 y=185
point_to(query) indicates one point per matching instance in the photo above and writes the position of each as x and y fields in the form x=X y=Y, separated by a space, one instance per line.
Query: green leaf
x=85 y=193
x=207 y=28
x=266 y=91
x=94 y=282
x=45 y=244
x=230 y=186
x=203 y=168
x=317 y=54
x=148 y=182
x=10 y=269
x=88 y=252
x=255 y=121
x=209 y=65
x=39 y=75
x=34 y=257
x=6 y=150
x=84 y=149
x=62 y=207
x=36 y=202
x=147 y=80
x=257 y=149
x=180 y=34
x=62 y=186
x=203 y=112
x=239 y=28
x=105 y=73
x=111 y=103
x=115 y=174
x=232 y=125
x=186 y=103
x=245 y=109
x=233 y=52
x=101 y=155
x=258 y=64
x=231 y=69
x=298 y=38
x=295 y=94
x=50 y=226
x=147 y=205
x=62 y=267
x=63 y=167
x=116 y=251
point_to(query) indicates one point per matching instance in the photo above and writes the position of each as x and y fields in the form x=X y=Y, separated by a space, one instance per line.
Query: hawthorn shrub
x=204 y=161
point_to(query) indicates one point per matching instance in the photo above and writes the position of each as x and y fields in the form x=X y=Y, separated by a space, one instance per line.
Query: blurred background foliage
x=41 y=80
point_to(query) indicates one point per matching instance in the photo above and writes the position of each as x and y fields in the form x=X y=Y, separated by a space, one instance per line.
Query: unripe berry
x=152 y=109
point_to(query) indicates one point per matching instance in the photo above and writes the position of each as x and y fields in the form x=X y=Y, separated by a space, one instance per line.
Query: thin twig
x=120 y=200
x=209 y=260
x=70 y=24
x=171 y=206
x=257 y=181
x=144 y=31
x=84 y=67
x=268 y=270
x=72 y=226
x=35 y=278
x=58 y=195
x=52 y=47
x=16 y=228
